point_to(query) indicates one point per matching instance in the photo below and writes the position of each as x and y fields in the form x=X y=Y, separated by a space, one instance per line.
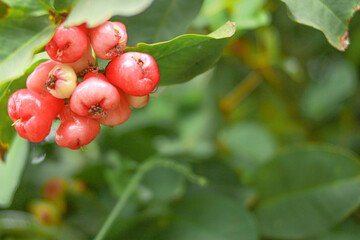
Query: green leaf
x=162 y=21
x=249 y=14
x=20 y=37
x=329 y=16
x=211 y=217
x=306 y=191
x=4 y=10
x=11 y=170
x=64 y=5
x=95 y=12
x=326 y=96
x=29 y=7
x=348 y=230
x=250 y=144
x=187 y=56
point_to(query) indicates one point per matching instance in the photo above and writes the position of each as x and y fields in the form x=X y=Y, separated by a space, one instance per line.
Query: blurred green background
x=274 y=128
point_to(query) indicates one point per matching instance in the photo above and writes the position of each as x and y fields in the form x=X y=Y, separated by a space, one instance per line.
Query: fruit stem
x=16 y=122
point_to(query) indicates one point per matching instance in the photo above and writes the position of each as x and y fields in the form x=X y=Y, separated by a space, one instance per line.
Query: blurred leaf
x=187 y=56
x=4 y=10
x=329 y=16
x=29 y=7
x=211 y=217
x=164 y=183
x=326 y=96
x=63 y=5
x=11 y=170
x=348 y=230
x=95 y=12
x=20 y=37
x=306 y=191
x=249 y=143
x=249 y=14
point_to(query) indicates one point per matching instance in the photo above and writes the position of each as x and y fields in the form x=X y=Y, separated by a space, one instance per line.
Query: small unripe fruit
x=94 y=98
x=33 y=113
x=137 y=74
x=45 y=212
x=55 y=188
x=62 y=81
x=36 y=81
x=75 y=131
x=67 y=44
x=109 y=39
x=137 y=102
x=120 y=114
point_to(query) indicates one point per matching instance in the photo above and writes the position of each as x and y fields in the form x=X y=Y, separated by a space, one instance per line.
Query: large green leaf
x=187 y=56
x=306 y=191
x=326 y=95
x=211 y=217
x=94 y=12
x=20 y=37
x=348 y=230
x=29 y=7
x=329 y=16
x=162 y=21
x=11 y=170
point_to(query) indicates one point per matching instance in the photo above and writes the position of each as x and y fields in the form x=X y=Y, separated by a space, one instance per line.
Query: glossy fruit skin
x=120 y=114
x=63 y=81
x=109 y=39
x=137 y=102
x=67 y=44
x=75 y=131
x=91 y=93
x=35 y=111
x=95 y=75
x=137 y=74
x=36 y=81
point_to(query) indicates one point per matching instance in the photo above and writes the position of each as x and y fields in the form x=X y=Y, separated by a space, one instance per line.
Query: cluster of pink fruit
x=54 y=89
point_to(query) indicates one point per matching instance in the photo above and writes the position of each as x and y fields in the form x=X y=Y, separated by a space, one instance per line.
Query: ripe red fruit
x=109 y=39
x=135 y=73
x=33 y=113
x=120 y=114
x=96 y=75
x=62 y=81
x=75 y=131
x=36 y=81
x=67 y=44
x=94 y=98
x=137 y=102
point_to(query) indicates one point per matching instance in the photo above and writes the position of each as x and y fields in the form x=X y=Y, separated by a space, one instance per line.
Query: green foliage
x=330 y=17
x=11 y=170
x=187 y=56
x=95 y=12
x=306 y=191
x=162 y=21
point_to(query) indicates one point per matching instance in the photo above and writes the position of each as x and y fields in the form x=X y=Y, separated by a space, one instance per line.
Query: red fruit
x=109 y=39
x=120 y=114
x=67 y=44
x=95 y=75
x=75 y=131
x=84 y=29
x=137 y=102
x=137 y=74
x=36 y=81
x=87 y=60
x=33 y=113
x=94 y=98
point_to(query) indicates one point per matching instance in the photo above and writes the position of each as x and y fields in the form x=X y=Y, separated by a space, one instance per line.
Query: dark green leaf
x=329 y=16
x=162 y=21
x=211 y=217
x=306 y=191
x=95 y=12
x=11 y=170
x=187 y=56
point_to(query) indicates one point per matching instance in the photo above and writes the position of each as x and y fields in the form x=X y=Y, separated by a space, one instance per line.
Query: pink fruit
x=62 y=81
x=87 y=60
x=36 y=81
x=109 y=39
x=137 y=74
x=120 y=114
x=33 y=113
x=67 y=44
x=94 y=98
x=75 y=131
